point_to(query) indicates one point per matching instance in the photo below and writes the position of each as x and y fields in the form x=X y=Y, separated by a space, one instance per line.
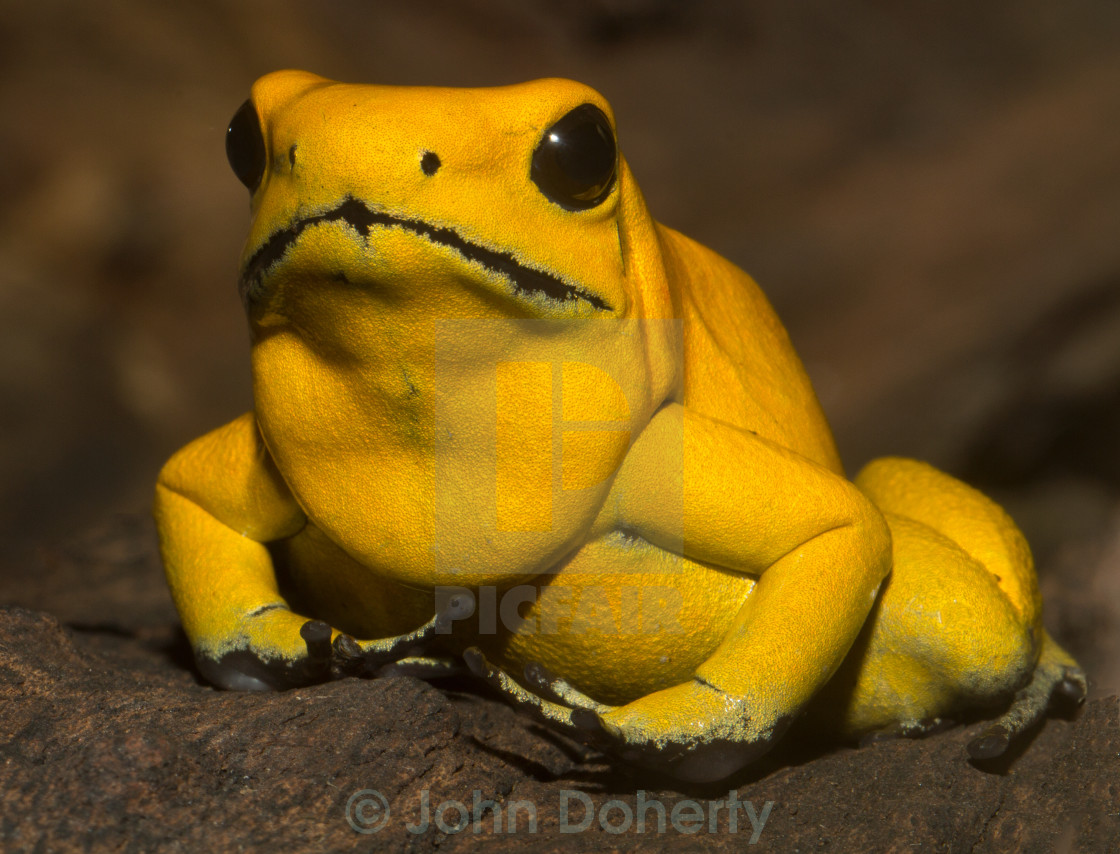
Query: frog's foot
x=1056 y=676
x=286 y=651
x=350 y=657
x=277 y=661
x=693 y=732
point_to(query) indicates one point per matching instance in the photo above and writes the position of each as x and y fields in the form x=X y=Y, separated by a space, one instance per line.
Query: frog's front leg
x=218 y=501
x=820 y=550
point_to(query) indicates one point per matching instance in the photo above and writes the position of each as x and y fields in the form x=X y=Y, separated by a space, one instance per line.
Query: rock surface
x=111 y=742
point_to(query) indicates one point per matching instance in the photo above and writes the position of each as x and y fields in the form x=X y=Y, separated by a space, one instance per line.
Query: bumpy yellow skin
x=641 y=464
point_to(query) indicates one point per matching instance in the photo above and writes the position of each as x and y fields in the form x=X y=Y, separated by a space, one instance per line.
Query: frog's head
x=424 y=267
x=509 y=202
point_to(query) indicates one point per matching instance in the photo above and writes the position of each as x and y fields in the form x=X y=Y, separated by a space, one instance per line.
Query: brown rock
x=110 y=742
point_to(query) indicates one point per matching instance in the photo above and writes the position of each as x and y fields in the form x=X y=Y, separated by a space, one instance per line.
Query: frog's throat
x=356 y=214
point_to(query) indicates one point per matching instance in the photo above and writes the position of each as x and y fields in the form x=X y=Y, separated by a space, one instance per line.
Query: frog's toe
x=562 y=691
x=347 y=657
x=1073 y=686
x=366 y=657
x=457 y=607
x=422 y=667
x=1056 y=676
x=317 y=635
x=580 y=724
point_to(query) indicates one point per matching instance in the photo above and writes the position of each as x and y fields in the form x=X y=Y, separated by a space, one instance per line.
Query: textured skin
x=689 y=550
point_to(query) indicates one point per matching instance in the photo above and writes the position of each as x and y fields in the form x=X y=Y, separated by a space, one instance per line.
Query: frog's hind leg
x=1056 y=674
x=919 y=492
x=958 y=626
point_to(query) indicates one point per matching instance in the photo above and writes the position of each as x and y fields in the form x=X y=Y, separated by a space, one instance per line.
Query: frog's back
x=740 y=367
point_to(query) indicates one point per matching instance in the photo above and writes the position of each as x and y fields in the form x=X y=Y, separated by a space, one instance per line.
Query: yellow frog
x=502 y=415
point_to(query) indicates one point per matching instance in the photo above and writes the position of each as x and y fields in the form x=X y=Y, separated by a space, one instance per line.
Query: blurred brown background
x=929 y=193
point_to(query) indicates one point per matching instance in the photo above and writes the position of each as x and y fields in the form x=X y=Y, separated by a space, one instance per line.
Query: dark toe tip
x=460 y=605
x=475 y=660
x=317 y=635
x=586 y=720
x=1072 y=689
x=991 y=744
x=346 y=648
x=315 y=631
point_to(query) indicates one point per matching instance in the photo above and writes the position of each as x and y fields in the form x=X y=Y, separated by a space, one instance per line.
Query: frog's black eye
x=245 y=146
x=574 y=164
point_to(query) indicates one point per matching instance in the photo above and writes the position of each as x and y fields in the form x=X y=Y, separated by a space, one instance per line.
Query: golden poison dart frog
x=504 y=418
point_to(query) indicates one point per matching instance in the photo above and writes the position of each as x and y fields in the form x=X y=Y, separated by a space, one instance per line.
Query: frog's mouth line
x=355 y=213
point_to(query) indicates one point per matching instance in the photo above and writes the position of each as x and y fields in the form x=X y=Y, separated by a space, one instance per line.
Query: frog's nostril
x=245 y=146
x=429 y=163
